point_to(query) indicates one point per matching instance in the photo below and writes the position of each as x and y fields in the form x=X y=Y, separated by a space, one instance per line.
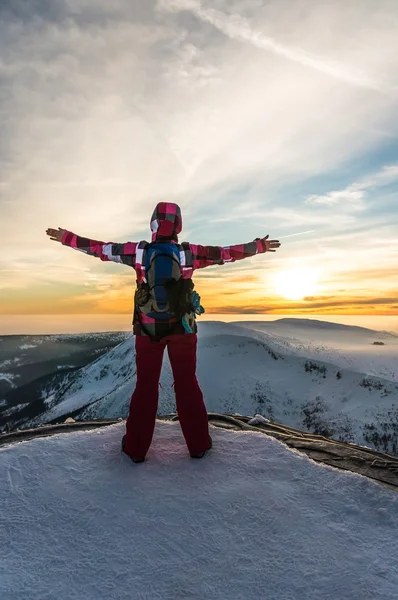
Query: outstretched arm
x=120 y=253
x=206 y=256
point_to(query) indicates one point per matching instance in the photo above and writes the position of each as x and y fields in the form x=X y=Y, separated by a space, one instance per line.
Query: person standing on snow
x=164 y=315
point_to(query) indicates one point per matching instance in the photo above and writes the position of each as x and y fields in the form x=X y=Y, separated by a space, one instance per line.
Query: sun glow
x=296 y=284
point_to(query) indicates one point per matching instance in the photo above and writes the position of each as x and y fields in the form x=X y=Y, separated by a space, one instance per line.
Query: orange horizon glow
x=284 y=291
x=121 y=304
x=287 y=291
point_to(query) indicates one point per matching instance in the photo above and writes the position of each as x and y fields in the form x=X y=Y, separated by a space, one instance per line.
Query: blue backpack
x=162 y=274
x=165 y=295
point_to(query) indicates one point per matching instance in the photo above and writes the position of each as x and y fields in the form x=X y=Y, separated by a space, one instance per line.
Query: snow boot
x=135 y=460
x=201 y=455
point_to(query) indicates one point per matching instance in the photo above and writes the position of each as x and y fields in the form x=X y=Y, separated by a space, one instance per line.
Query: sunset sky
x=256 y=117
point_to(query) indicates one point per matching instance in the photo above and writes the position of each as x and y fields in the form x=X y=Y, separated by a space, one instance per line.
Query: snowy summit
x=253 y=520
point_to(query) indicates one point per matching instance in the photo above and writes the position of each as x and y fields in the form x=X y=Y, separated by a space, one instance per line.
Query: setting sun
x=296 y=284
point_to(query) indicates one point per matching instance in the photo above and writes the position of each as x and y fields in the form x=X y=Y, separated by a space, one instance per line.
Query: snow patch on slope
x=9 y=378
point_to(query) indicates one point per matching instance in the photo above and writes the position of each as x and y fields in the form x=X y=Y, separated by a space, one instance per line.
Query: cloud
x=298 y=234
x=238 y=28
x=353 y=194
x=312 y=305
x=357 y=192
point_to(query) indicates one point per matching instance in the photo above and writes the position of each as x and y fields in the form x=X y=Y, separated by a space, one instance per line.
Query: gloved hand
x=270 y=245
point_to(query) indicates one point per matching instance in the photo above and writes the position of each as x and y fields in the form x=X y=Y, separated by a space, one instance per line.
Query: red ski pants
x=189 y=398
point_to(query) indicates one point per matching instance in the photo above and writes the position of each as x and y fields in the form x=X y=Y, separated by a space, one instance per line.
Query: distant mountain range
x=29 y=362
x=292 y=371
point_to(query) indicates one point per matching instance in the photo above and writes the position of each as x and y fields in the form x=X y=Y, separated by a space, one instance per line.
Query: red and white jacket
x=166 y=224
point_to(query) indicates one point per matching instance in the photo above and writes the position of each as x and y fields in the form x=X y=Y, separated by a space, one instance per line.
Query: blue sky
x=256 y=117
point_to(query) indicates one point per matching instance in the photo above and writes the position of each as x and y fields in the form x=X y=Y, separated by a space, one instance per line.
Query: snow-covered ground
x=253 y=520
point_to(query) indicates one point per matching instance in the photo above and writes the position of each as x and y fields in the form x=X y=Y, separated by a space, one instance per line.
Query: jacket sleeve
x=119 y=253
x=206 y=256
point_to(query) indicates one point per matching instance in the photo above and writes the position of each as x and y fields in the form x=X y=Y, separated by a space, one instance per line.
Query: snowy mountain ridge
x=251 y=368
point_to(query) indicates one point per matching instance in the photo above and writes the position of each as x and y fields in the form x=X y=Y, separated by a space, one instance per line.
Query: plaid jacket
x=166 y=223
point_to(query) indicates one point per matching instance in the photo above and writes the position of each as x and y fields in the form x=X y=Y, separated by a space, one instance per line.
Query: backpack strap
x=140 y=257
x=186 y=260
